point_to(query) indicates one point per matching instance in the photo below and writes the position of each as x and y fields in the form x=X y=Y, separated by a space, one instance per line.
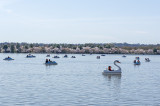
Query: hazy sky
x=80 y=21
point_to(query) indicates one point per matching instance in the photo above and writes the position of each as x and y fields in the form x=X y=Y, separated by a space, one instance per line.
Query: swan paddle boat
x=8 y=58
x=118 y=71
x=30 y=56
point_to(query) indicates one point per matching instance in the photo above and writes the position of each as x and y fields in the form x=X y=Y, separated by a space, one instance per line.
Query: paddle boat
x=73 y=57
x=147 y=60
x=98 y=57
x=83 y=55
x=103 y=55
x=30 y=56
x=48 y=55
x=124 y=56
x=137 y=62
x=49 y=62
x=118 y=71
x=65 y=56
x=56 y=57
x=8 y=58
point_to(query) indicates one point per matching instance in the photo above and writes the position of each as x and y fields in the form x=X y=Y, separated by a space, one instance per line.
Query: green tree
x=155 y=50
x=18 y=46
x=26 y=47
x=12 y=49
x=31 y=45
x=5 y=47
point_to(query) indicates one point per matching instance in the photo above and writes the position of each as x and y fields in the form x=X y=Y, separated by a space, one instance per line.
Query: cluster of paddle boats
x=106 y=71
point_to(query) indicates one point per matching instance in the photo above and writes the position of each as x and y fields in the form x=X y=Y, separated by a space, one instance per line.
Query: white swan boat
x=8 y=58
x=106 y=72
x=51 y=63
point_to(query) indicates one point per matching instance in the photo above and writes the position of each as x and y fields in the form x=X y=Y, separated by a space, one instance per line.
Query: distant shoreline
x=88 y=48
x=78 y=54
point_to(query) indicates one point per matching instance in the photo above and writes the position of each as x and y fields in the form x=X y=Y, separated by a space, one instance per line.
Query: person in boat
x=46 y=60
x=8 y=57
x=138 y=61
x=50 y=60
x=134 y=61
x=109 y=68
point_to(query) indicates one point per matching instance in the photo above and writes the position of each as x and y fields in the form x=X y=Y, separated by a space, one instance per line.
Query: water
x=79 y=81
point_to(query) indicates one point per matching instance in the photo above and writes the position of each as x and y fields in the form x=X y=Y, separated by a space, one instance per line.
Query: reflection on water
x=113 y=76
x=114 y=80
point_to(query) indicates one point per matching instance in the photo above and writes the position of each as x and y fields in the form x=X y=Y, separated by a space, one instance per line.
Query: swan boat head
x=117 y=61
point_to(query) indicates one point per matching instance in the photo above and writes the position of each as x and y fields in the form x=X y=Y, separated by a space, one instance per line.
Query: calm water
x=79 y=81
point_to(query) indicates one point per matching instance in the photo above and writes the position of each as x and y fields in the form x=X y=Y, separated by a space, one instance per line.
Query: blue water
x=79 y=81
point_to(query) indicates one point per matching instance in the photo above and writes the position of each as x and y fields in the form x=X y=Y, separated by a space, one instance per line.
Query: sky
x=80 y=21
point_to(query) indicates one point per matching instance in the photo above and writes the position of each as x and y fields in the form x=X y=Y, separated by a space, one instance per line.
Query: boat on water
x=73 y=57
x=118 y=71
x=147 y=60
x=56 y=57
x=51 y=63
x=48 y=55
x=124 y=56
x=137 y=61
x=65 y=56
x=98 y=57
x=103 y=55
x=83 y=55
x=8 y=58
x=30 y=56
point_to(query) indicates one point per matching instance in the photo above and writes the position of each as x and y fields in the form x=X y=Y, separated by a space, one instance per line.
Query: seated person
x=109 y=68
x=50 y=60
x=46 y=60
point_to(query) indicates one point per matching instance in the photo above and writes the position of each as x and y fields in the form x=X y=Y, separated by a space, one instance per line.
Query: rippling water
x=79 y=81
